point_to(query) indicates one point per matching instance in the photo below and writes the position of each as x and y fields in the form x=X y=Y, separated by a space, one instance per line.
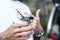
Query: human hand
x=36 y=23
x=19 y=31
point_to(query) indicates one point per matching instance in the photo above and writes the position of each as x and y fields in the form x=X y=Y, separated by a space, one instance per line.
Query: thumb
x=37 y=13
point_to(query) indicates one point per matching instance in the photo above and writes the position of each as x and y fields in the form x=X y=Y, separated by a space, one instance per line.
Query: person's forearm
x=2 y=37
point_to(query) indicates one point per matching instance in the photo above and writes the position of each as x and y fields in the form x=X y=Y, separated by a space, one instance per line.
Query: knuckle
x=30 y=32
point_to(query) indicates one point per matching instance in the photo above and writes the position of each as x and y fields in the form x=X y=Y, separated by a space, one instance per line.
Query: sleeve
x=24 y=7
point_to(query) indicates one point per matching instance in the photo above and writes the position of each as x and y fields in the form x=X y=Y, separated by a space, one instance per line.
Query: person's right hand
x=19 y=31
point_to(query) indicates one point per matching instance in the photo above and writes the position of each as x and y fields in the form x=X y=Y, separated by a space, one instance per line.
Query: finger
x=23 y=34
x=23 y=29
x=21 y=38
x=37 y=16
x=19 y=25
x=38 y=13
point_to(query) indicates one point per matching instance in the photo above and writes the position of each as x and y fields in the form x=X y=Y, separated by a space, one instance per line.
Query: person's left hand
x=36 y=23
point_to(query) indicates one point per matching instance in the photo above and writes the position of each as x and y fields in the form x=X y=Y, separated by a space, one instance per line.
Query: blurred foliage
x=56 y=1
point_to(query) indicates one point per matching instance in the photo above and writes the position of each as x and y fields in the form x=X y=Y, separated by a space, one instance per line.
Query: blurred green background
x=44 y=5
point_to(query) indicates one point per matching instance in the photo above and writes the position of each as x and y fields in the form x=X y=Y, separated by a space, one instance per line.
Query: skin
x=36 y=22
x=16 y=32
x=37 y=25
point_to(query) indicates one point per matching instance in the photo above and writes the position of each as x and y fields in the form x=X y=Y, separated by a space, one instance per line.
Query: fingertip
x=38 y=13
x=39 y=10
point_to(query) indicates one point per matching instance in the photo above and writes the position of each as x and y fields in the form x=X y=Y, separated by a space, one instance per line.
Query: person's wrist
x=39 y=34
x=1 y=38
x=39 y=29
